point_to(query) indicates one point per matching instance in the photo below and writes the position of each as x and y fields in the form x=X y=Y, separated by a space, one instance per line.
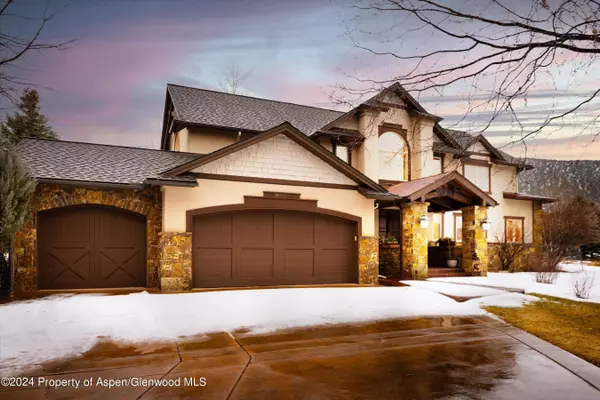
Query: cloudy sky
x=110 y=86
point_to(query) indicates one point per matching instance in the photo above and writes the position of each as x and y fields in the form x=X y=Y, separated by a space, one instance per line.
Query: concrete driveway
x=433 y=358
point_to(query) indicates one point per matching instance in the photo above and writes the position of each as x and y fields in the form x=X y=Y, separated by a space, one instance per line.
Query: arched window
x=393 y=155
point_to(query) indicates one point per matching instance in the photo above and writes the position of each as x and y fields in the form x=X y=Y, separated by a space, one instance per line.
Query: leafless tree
x=15 y=46
x=233 y=78
x=567 y=224
x=495 y=51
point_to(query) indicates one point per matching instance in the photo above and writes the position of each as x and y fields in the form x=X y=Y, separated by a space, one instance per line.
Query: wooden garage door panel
x=299 y=264
x=272 y=248
x=215 y=231
x=257 y=264
x=297 y=229
x=256 y=229
x=91 y=247
x=217 y=263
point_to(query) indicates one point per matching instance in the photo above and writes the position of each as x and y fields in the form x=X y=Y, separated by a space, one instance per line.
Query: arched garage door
x=84 y=247
x=256 y=247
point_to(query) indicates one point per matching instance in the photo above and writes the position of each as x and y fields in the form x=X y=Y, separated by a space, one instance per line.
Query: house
x=247 y=191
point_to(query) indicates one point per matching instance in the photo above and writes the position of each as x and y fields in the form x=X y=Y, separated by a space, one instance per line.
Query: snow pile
x=563 y=287
x=506 y=300
x=59 y=326
x=451 y=289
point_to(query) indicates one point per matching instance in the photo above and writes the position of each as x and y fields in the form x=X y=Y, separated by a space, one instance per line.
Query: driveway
x=429 y=358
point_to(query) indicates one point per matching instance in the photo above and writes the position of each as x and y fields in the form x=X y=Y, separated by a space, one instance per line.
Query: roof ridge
x=111 y=145
x=255 y=98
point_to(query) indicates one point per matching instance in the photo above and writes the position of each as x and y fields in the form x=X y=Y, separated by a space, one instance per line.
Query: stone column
x=537 y=239
x=475 y=257
x=368 y=265
x=175 y=270
x=414 y=241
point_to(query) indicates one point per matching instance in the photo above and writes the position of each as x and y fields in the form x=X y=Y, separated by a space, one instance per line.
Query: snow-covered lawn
x=563 y=287
x=64 y=325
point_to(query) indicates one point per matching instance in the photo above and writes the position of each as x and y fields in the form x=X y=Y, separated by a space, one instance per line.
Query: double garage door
x=103 y=247
x=251 y=248
x=91 y=247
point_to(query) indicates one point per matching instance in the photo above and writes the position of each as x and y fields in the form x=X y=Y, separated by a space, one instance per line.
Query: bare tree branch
x=496 y=47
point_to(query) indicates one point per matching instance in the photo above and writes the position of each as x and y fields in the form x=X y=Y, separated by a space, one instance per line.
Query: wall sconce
x=424 y=220
x=486 y=224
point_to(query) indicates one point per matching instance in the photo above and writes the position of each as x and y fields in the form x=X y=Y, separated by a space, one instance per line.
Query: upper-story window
x=479 y=175
x=438 y=164
x=392 y=157
x=343 y=152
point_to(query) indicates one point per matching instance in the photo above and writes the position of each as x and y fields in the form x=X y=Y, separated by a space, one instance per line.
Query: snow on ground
x=563 y=287
x=453 y=289
x=506 y=299
x=63 y=325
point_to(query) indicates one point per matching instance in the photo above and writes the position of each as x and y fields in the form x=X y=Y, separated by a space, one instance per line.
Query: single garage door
x=251 y=248
x=91 y=247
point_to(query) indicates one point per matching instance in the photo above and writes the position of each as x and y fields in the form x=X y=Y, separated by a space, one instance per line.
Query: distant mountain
x=562 y=179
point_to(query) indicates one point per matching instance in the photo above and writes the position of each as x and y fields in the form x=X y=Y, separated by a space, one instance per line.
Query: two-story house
x=248 y=192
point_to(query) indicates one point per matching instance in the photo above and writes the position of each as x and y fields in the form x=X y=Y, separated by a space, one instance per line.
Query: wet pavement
x=432 y=358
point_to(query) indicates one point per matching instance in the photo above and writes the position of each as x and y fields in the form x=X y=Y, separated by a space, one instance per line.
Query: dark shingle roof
x=89 y=162
x=207 y=107
x=465 y=139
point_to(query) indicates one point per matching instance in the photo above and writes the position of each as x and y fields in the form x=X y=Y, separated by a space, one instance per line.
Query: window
x=389 y=222
x=434 y=231
x=438 y=164
x=392 y=157
x=343 y=153
x=479 y=175
x=513 y=229
x=458 y=227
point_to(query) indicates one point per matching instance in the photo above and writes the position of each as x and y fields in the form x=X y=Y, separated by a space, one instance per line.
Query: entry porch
x=410 y=248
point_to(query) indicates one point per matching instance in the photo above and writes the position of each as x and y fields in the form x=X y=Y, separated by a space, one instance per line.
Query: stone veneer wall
x=175 y=269
x=414 y=242
x=475 y=257
x=368 y=256
x=144 y=201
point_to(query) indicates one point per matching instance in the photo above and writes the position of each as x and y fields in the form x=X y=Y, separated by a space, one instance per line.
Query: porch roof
x=445 y=192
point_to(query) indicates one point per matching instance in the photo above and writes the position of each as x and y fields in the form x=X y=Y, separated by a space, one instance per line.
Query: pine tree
x=17 y=188
x=28 y=121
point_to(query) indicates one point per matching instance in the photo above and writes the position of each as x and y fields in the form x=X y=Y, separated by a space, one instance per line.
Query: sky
x=109 y=86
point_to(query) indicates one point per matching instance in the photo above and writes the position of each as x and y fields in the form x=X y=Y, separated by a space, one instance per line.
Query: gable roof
x=219 y=109
x=294 y=134
x=63 y=161
x=466 y=140
x=414 y=190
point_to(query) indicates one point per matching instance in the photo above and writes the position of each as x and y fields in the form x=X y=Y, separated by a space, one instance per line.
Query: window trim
x=335 y=144
x=522 y=219
x=480 y=164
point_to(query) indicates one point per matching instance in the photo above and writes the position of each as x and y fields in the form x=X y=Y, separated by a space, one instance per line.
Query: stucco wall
x=420 y=140
x=205 y=142
x=209 y=193
x=278 y=157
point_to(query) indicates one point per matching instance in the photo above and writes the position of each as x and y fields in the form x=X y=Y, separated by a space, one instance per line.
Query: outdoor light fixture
x=486 y=224
x=424 y=220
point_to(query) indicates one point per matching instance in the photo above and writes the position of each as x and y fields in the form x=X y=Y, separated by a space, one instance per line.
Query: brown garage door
x=273 y=248
x=91 y=247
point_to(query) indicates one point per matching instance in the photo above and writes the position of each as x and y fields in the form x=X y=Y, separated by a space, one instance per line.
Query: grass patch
x=571 y=325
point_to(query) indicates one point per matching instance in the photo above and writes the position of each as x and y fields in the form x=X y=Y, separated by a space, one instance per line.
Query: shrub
x=584 y=282
x=545 y=270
